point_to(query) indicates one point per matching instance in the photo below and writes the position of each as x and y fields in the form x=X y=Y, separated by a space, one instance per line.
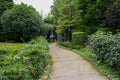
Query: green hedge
x=106 y=48
x=27 y=63
x=78 y=38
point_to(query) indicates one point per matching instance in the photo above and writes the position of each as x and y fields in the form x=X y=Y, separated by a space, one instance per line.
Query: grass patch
x=11 y=46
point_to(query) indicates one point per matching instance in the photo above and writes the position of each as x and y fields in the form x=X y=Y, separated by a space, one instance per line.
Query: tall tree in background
x=49 y=19
x=55 y=9
x=93 y=13
x=67 y=16
x=112 y=20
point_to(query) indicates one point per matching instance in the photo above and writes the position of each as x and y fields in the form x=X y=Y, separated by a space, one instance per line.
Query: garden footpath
x=67 y=65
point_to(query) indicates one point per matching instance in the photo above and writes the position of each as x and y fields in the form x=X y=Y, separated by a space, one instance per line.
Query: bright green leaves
x=66 y=13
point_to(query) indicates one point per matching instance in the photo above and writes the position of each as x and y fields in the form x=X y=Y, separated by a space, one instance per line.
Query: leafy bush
x=78 y=38
x=106 y=48
x=25 y=63
x=22 y=22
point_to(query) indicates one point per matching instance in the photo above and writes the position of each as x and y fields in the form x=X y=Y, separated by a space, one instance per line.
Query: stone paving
x=67 y=65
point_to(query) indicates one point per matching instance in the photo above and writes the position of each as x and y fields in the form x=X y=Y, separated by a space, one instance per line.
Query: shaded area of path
x=69 y=66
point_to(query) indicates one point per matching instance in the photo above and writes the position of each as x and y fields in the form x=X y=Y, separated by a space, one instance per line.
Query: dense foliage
x=81 y=15
x=113 y=16
x=4 y=6
x=49 y=19
x=78 y=38
x=23 y=61
x=66 y=15
x=106 y=48
x=21 y=23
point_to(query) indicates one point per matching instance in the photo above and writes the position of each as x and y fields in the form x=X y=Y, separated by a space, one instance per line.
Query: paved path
x=69 y=66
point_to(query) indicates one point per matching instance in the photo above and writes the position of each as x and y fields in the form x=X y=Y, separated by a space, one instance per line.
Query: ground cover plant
x=23 y=61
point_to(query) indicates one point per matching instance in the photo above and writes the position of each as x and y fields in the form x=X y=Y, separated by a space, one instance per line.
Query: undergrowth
x=24 y=61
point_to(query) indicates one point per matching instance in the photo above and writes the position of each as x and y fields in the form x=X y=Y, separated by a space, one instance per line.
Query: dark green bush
x=113 y=16
x=22 y=20
x=28 y=63
x=106 y=48
x=78 y=38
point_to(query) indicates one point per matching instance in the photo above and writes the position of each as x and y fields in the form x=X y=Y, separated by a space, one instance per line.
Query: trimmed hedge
x=78 y=38
x=106 y=48
x=27 y=63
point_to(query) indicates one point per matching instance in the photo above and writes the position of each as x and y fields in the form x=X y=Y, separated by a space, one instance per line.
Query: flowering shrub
x=106 y=48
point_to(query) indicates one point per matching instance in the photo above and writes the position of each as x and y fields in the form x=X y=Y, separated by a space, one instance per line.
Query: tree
x=55 y=9
x=49 y=19
x=96 y=12
x=4 y=5
x=81 y=15
x=67 y=16
x=22 y=22
x=93 y=13
x=113 y=16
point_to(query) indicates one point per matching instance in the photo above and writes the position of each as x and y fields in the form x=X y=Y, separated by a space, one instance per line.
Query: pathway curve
x=69 y=66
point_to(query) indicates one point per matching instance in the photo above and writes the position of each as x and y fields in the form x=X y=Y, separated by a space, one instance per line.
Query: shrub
x=22 y=20
x=78 y=38
x=26 y=63
x=106 y=48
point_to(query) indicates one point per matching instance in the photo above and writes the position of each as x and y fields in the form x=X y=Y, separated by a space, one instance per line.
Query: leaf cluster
x=106 y=47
